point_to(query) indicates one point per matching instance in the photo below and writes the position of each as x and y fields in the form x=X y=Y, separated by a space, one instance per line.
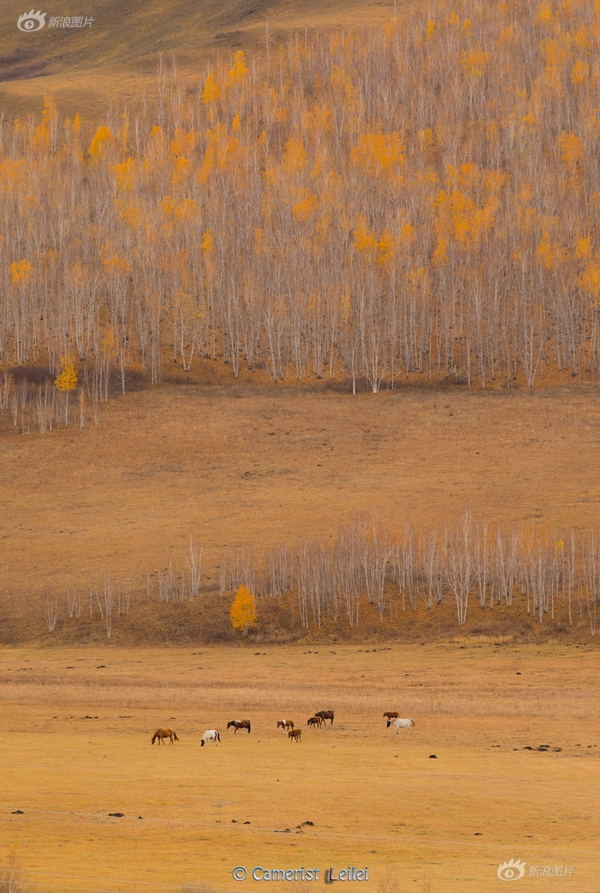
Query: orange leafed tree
x=238 y=70
x=102 y=136
x=243 y=610
x=67 y=379
x=211 y=91
x=21 y=271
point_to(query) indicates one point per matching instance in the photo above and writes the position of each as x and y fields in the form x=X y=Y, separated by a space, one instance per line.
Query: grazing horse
x=325 y=714
x=161 y=734
x=391 y=714
x=285 y=724
x=210 y=735
x=239 y=724
x=400 y=724
x=315 y=721
x=295 y=735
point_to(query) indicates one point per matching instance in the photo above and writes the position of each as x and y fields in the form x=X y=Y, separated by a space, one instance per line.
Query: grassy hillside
x=255 y=466
x=114 y=62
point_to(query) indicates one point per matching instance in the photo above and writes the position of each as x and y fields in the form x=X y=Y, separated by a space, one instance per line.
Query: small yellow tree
x=102 y=137
x=67 y=378
x=243 y=610
x=66 y=381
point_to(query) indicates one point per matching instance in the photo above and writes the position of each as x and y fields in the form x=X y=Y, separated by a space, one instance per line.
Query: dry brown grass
x=255 y=466
x=375 y=797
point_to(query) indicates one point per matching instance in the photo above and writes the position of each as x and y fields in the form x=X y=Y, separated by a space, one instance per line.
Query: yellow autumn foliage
x=243 y=610
x=66 y=380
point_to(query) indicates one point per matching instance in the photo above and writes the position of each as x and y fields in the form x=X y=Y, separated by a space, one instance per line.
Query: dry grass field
x=243 y=465
x=76 y=739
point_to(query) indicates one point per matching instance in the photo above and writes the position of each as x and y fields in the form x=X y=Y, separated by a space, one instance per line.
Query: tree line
x=375 y=204
x=473 y=564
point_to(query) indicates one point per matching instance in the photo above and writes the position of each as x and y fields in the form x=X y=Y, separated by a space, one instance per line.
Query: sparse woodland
x=475 y=566
x=420 y=199
x=475 y=563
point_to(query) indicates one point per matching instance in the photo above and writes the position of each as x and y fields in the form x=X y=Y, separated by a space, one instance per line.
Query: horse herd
x=294 y=734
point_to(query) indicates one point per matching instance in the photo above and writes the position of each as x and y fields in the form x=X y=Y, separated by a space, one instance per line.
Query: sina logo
x=31 y=21
x=511 y=871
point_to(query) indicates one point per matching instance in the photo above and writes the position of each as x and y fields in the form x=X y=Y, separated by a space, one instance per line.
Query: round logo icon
x=239 y=873
x=31 y=21
x=511 y=871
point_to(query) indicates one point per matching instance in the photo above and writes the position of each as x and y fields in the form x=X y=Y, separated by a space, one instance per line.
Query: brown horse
x=285 y=724
x=325 y=714
x=315 y=721
x=295 y=735
x=239 y=724
x=161 y=734
x=391 y=714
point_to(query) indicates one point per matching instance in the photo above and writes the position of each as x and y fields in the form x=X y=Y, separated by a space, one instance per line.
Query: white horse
x=400 y=724
x=210 y=735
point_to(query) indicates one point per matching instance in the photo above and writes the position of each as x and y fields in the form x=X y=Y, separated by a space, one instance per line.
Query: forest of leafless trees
x=417 y=199
x=472 y=566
